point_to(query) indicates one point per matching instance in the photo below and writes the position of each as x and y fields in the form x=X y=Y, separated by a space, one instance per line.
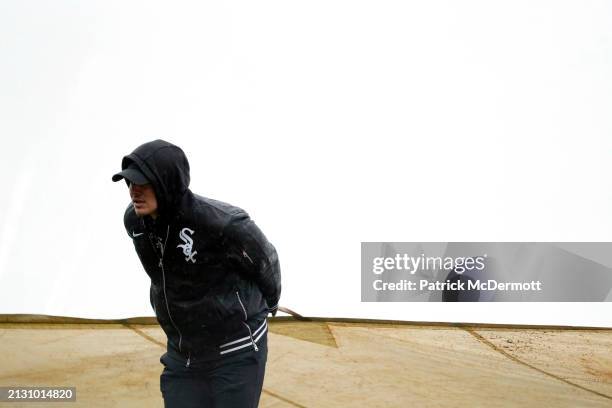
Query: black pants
x=232 y=381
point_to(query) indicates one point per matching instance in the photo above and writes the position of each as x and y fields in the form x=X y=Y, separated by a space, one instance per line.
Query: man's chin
x=140 y=212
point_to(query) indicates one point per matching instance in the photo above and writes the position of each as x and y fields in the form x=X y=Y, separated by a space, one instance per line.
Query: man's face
x=143 y=198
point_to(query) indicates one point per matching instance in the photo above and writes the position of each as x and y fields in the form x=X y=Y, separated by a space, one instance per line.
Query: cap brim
x=132 y=175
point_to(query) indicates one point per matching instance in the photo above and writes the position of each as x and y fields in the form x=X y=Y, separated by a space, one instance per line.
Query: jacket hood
x=166 y=167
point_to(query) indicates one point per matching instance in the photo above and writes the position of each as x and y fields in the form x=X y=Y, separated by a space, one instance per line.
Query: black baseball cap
x=132 y=174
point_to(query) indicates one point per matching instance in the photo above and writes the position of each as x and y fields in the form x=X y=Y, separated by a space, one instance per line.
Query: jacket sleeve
x=258 y=256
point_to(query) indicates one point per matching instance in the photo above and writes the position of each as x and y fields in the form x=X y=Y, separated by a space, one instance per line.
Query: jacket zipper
x=246 y=317
x=161 y=265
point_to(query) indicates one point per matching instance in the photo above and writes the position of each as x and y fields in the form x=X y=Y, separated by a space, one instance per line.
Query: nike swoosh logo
x=136 y=235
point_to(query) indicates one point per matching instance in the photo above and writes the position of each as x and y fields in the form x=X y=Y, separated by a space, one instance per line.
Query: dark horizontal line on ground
x=149 y=320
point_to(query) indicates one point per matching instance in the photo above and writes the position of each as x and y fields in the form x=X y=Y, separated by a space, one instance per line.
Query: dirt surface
x=329 y=364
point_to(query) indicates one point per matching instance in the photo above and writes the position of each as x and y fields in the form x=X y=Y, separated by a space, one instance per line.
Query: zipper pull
x=160 y=263
x=249 y=329
x=244 y=254
x=188 y=361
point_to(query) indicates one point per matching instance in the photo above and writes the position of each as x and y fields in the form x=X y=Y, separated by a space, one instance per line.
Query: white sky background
x=330 y=122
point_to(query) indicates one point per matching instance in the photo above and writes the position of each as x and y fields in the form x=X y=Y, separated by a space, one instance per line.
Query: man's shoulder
x=212 y=212
x=129 y=216
x=218 y=205
x=131 y=221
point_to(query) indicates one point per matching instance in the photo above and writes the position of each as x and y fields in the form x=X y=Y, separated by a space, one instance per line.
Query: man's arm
x=258 y=256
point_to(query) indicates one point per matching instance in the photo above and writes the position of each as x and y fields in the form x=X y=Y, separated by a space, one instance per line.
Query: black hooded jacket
x=214 y=275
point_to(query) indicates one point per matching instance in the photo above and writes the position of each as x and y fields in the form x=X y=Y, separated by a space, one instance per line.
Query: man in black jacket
x=214 y=279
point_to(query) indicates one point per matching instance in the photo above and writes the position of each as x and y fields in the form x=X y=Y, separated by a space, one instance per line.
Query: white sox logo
x=188 y=244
